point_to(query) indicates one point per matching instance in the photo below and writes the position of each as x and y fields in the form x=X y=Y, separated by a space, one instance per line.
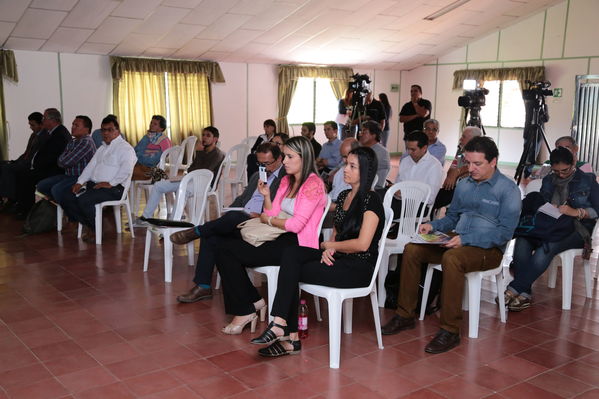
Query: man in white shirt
x=420 y=166
x=103 y=179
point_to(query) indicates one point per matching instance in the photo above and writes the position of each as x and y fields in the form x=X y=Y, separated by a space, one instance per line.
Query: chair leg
x=190 y=254
x=474 y=286
x=79 y=230
x=334 y=331
x=217 y=285
x=168 y=258
x=501 y=298
x=272 y=276
x=317 y=308
x=147 y=249
x=383 y=270
x=588 y=280
x=130 y=218
x=377 y=319
x=425 y=291
x=98 y=224
x=117 y=218
x=567 y=272
x=59 y=217
x=552 y=279
x=348 y=313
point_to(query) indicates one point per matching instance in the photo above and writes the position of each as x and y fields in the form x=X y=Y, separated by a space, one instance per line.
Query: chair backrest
x=249 y=140
x=224 y=170
x=173 y=160
x=374 y=181
x=193 y=201
x=324 y=215
x=188 y=145
x=414 y=195
x=533 y=185
x=382 y=241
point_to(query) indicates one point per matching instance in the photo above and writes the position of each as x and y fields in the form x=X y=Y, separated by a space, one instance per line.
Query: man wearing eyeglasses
x=103 y=179
x=248 y=205
x=207 y=156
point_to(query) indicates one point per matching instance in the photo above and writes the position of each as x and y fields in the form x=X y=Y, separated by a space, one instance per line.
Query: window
x=504 y=105
x=313 y=101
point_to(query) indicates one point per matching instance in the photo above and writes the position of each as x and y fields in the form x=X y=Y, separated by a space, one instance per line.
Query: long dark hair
x=385 y=101
x=301 y=146
x=368 y=166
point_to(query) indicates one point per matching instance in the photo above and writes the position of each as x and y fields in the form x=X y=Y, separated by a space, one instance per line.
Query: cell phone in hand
x=262 y=173
x=81 y=191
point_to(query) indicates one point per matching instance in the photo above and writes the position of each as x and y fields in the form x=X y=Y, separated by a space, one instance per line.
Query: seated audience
x=338 y=182
x=207 y=156
x=150 y=148
x=569 y=143
x=103 y=178
x=270 y=127
x=10 y=169
x=97 y=134
x=457 y=169
x=308 y=131
x=347 y=261
x=301 y=195
x=420 y=166
x=73 y=160
x=329 y=157
x=280 y=139
x=575 y=194
x=43 y=163
x=484 y=213
x=213 y=232
x=370 y=136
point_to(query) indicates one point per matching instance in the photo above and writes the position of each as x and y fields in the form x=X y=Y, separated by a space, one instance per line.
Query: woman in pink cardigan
x=302 y=195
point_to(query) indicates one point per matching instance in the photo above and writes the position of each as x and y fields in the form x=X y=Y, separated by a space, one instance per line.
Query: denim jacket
x=485 y=213
x=583 y=192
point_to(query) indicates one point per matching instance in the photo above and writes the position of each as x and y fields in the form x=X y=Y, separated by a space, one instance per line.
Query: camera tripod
x=533 y=134
x=358 y=112
x=474 y=118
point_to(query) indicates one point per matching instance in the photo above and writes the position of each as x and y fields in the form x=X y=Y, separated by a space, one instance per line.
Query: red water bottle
x=302 y=321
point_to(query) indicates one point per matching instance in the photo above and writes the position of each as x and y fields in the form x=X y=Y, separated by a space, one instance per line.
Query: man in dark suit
x=44 y=162
x=10 y=169
x=250 y=203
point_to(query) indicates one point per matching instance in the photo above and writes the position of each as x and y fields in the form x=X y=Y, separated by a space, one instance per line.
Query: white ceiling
x=386 y=34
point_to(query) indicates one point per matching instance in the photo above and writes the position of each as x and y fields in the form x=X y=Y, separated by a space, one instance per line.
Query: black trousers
x=8 y=177
x=211 y=234
x=82 y=209
x=233 y=256
x=443 y=198
x=301 y=264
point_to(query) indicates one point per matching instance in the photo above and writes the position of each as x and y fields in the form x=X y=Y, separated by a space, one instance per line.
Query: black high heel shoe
x=277 y=349
x=269 y=335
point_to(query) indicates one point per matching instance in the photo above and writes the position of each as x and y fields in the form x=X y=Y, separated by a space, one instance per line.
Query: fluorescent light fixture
x=445 y=10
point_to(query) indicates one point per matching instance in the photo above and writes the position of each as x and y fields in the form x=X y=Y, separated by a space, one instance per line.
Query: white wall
x=563 y=39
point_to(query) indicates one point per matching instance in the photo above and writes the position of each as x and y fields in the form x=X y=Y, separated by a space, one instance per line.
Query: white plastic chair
x=194 y=206
x=343 y=297
x=169 y=162
x=188 y=145
x=566 y=260
x=272 y=273
x=238 y=155
x=413 y=194
x=471 y=300
x=117 y=204
x=250 y=141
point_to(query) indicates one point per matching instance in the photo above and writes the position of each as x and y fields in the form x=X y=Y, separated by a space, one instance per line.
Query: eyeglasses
x=108 y=129
x=562 y=172
x=432 y=129
x=265 y=163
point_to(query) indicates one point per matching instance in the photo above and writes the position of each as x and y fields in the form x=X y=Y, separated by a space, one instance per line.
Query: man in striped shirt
x=73 y=160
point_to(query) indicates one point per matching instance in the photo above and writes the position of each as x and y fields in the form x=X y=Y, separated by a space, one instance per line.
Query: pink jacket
x=307 y=211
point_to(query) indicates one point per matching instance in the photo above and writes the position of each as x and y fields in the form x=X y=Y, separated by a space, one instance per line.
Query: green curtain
x=120 y=64
x=522 y=74
x=8 y=69
x=288 y=76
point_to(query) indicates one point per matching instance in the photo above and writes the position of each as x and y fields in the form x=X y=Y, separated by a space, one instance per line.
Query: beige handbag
x=254 y=232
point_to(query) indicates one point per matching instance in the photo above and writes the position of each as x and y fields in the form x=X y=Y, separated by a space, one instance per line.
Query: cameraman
x=373 y=111
x=413 y=114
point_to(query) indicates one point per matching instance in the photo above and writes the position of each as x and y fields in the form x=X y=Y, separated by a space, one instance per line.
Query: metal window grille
x=585 y=121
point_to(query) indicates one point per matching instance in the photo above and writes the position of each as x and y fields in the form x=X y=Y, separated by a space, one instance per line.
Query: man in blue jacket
x=484 y=213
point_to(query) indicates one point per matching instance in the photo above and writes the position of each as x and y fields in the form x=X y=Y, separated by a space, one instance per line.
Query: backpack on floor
x=41 y=218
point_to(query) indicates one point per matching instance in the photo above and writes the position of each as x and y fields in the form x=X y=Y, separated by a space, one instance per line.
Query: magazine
x=436 y=237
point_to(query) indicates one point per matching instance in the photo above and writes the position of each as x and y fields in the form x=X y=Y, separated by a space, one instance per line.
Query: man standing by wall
x=414 y=113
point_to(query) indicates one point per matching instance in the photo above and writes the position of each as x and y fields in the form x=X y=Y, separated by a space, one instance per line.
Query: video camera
x=473 y=99
x=360 y=88
x=536 y=91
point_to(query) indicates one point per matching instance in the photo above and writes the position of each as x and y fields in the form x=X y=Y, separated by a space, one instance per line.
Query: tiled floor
x=80 y=321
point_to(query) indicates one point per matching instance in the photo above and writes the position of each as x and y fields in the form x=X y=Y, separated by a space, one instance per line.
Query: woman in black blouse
x=346 y=262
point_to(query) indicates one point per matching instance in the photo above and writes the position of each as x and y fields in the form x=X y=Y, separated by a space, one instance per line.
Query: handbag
x=41 y=218
x=254 y=232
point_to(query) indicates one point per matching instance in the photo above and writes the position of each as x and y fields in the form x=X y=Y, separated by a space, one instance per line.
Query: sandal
x=269 y=335
x=277 y=349
x=234 y=329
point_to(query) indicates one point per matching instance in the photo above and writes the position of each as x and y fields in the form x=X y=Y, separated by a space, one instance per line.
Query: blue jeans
x=55 y=186
x=531 y=261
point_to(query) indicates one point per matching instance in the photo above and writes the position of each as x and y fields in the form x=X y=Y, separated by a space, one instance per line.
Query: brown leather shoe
x=195 y=294
x=397 y=324
x=184 y=236
x=443 y=341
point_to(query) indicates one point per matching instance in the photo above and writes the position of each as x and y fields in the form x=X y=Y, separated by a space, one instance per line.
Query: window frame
x=314 y=104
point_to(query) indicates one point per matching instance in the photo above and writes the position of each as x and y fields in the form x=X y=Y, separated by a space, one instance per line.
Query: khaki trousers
x=456 y=262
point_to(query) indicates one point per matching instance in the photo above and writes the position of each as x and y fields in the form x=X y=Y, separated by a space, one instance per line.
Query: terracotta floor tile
x=423 y=373
x=152 y=383
x=582 y=372
x=566 y=348
x=70 y=364
x=528 y=391
x=86 y=379
x=457 y=387
x=23 y=376
x=57 y=350
x=423 y=394
x=194 y=371
x=118 y=390
x=177 y=393
x=543 y=357
x=592 y=394
x=37 y=323
x=218 y=386
x=259 y=375
x=517 y=367
x=560 y=384
x=390 y=385
x=43 y=389
x=490 y=378
x=114 y=353
x=354 y=391
x=99 y=340
x=132 y=367
x=16 y=358
x=233 y=360
x=42 y=337
x=286 y=388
